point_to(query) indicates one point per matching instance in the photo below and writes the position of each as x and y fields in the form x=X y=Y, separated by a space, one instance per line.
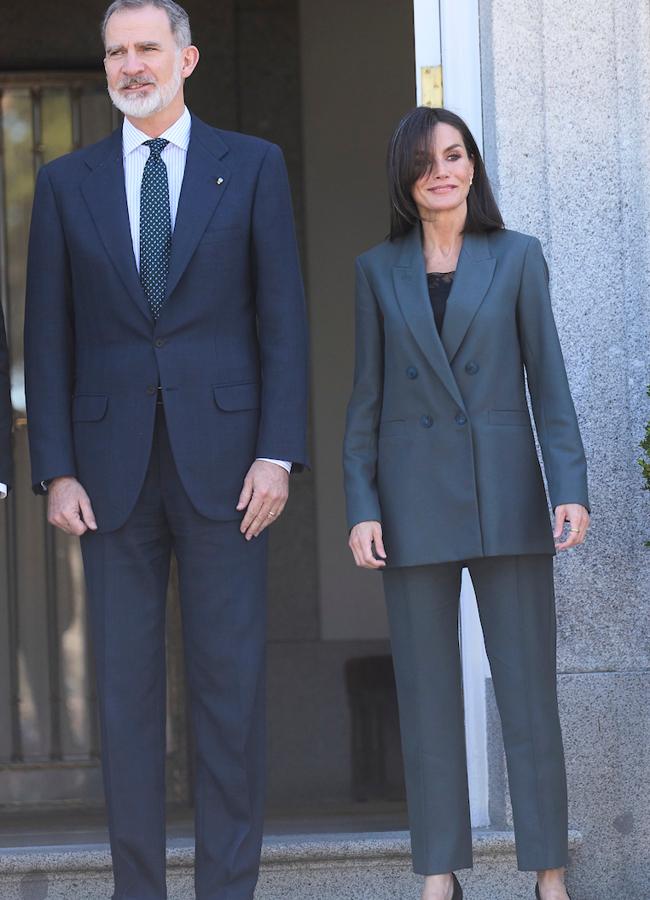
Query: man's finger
x=254 y=506
x=266 y=518
x=246 y=492
x=87 y=513
x=75 y=524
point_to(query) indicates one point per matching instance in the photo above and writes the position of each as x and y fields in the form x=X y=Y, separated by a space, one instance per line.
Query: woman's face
x=444 y=186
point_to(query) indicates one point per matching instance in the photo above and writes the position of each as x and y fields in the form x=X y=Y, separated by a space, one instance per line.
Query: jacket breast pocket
x=89 y=407
x=233 y=397
x=508 y=417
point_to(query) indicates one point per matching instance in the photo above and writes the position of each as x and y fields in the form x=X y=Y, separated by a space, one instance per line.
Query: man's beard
x=140 y=106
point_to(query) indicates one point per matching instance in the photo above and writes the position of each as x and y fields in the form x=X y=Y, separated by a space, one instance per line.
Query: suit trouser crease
x=222 y=593
x=517 y=609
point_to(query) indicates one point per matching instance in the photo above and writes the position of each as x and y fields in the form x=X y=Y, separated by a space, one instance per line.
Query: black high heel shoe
x=458 y=891
x=537 y=894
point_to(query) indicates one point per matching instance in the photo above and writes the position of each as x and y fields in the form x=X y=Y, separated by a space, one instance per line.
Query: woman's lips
x=443 y=189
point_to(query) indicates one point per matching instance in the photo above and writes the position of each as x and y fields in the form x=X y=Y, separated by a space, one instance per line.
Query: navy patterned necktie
x=155 y=227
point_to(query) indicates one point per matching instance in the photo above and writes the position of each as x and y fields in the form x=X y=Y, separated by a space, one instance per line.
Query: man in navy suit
x=6 y=469
x=167 y=394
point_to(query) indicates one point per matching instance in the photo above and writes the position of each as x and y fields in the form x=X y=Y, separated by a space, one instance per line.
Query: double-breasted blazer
x=228 y=351
x=6 y=466
x=439 y=445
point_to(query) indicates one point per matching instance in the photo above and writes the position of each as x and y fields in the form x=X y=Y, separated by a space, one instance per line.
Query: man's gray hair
x=179 y=21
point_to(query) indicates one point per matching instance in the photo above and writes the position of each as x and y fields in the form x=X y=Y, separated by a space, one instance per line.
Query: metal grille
x=49 y=741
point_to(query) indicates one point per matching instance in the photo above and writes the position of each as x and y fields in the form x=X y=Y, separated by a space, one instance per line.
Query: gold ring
x=576 y=530
x=270 y=515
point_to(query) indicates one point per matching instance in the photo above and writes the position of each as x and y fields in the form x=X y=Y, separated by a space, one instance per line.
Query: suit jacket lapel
x=105 y=195
x=205 y=181
x=473 y=277
x=409 y=278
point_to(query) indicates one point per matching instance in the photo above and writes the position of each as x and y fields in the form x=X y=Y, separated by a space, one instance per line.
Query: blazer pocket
x=232 y=397
x=89 y=407
x=508 y=417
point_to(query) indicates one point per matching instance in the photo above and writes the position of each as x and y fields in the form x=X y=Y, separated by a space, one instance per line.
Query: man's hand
x=362 y=538
x=68 y=506
x=265 y=493
x=578 y=519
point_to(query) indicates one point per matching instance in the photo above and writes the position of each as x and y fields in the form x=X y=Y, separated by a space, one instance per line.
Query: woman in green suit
x=441 y=473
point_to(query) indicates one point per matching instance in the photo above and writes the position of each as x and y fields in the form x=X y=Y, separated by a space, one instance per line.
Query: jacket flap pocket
x=231 y=397
x=508 y=417
x=89 y=407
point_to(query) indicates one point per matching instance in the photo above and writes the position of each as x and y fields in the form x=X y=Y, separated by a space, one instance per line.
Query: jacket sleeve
x=49 y=341
x=282 y=319
x=364 y=408
x=555 y=418
x=6 y=467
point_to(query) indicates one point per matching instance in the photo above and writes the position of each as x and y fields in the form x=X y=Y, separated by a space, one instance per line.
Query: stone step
x=341 y=866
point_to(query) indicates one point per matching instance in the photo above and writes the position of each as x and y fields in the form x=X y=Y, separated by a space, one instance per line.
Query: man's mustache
x=131 y=82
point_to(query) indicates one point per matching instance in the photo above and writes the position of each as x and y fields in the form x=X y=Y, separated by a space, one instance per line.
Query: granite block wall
x=566 y=89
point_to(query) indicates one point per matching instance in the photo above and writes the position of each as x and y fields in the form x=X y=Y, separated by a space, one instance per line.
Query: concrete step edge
x=278 y=851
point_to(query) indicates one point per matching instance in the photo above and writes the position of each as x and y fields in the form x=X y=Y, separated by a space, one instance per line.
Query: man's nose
x=132 y=64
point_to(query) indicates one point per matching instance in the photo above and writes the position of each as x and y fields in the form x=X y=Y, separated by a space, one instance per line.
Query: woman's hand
x=362 y=538
x=578 y=519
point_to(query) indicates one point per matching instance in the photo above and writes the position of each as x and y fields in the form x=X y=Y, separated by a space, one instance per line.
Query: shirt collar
x=178 y=133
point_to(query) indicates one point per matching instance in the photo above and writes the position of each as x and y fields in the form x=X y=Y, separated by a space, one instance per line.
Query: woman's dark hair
x=409 y=159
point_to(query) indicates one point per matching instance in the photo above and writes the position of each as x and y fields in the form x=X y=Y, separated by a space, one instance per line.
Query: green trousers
x=516 y=604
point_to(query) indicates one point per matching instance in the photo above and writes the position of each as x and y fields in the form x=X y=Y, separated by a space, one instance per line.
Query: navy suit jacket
x=439 y=445
x=228 y=350
x=6 y=467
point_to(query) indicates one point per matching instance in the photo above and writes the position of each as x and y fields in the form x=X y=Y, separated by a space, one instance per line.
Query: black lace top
x=439 y=287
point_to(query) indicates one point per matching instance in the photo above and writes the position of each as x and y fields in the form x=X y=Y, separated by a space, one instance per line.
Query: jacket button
x=151 y=390
x=460 y=419
x=160 y=342
x=472 y=367
x=412 y=372
x=426 y=421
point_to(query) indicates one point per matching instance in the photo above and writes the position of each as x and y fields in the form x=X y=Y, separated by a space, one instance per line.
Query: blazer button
x=412 y=372
x=426 y=421
x=151 y=390
x=160 y=342
x=472 y=367
x=460 y=419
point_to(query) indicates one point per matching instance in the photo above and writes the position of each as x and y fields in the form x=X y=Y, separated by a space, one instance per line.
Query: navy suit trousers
x=222 y=595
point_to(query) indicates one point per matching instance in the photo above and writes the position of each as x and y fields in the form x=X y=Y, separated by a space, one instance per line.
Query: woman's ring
x=270 y=515
x=576 y=530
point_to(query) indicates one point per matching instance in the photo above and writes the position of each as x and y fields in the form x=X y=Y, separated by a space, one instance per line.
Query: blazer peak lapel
x=205 y=182
x=474 y=275
x=410 y=282
x=105 y=194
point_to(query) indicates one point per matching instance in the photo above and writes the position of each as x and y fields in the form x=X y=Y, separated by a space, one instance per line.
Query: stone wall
x=566 y=89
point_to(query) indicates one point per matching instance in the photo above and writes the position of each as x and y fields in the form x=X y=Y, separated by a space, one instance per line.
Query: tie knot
x=156 y=146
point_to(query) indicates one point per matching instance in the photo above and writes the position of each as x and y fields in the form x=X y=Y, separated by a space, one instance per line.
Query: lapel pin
x=219 y=180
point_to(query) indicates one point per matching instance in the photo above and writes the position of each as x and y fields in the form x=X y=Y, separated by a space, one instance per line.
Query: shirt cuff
x=3 y=491
x=278 y=462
